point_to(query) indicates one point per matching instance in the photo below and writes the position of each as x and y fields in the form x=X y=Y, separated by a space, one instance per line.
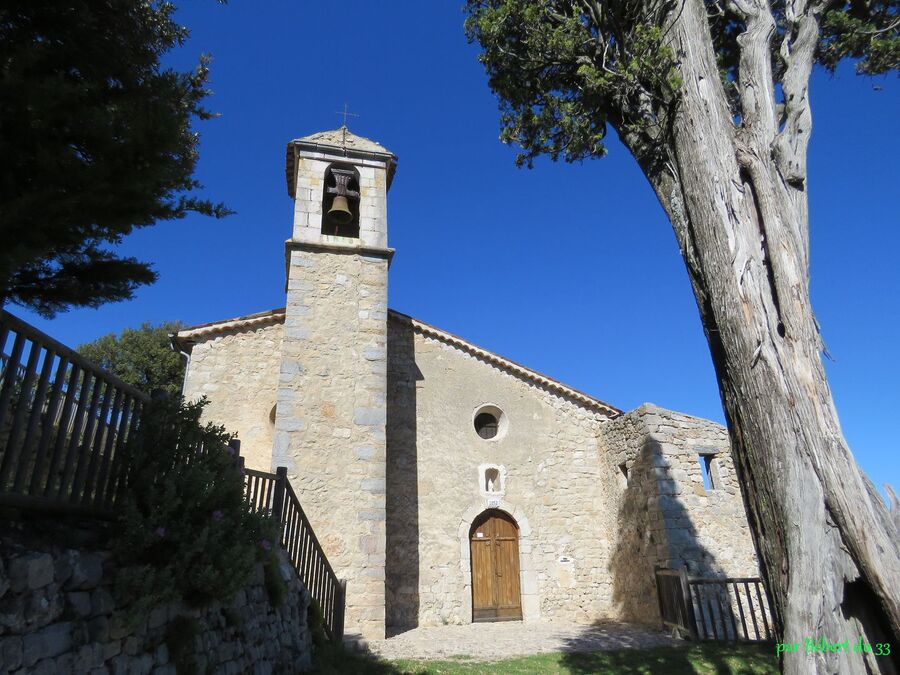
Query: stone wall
x=665 y=515
x=238 y=372
x=589 y=537
x=553 y=486
x=58 y=615
x=330 y=420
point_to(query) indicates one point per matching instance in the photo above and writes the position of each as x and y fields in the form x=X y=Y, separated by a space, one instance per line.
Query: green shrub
x=316 y=622
x=180 y=636
x=187 y=533
x=276 y=588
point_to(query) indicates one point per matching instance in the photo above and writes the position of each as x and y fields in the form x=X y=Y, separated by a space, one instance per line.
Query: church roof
x=343 y=141
x=193 y=334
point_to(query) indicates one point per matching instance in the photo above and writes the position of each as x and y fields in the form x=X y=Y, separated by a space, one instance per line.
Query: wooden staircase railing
x=64 y=422
x=64 y=425
x=272 y=493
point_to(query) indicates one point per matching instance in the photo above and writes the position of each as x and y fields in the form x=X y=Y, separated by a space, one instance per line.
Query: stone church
x=446 y=483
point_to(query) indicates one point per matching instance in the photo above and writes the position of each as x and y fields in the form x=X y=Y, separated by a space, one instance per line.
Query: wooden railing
x=272 y=493
x=709 y=609
x=718 y=603
x=259 y=490
x=672 y=591
x=64 y=423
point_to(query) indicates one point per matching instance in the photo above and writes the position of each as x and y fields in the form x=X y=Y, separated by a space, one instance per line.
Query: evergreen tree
x=96 y=140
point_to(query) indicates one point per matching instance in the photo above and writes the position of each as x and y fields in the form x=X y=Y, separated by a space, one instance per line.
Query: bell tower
x=331 y=411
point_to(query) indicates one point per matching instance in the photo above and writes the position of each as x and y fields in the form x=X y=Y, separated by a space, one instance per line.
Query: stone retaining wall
x=58 y=615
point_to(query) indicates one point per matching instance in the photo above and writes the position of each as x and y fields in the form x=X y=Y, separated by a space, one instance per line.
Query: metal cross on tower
x=346 y=114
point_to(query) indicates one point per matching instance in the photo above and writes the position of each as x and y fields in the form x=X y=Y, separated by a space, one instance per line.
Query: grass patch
x=708 y=659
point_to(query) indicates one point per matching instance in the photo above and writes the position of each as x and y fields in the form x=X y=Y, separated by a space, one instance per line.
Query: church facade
x=446 y=483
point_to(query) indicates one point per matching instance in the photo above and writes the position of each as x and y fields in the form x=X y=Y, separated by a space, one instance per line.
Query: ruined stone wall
x=330 y=420
x=665 y=515
x=238 y=372
x=553 y=485
x=58 y=615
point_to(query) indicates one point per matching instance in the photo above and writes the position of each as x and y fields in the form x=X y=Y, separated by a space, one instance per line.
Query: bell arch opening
x=340 y=201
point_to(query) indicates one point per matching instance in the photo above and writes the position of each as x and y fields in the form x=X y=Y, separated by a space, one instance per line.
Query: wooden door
x=494 y=544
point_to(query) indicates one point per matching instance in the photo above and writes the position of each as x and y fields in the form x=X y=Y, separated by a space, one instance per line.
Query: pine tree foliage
x=96 y=138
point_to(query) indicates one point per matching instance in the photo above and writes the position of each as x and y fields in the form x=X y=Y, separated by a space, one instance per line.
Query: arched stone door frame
x=531 y=606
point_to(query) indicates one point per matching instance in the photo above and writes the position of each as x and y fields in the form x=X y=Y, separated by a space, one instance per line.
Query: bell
x=340 y=211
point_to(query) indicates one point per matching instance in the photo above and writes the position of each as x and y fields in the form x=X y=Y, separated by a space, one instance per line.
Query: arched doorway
x=494 y=549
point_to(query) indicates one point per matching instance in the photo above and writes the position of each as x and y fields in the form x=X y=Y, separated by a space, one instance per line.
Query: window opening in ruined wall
x=709 y=468
x=623 y=474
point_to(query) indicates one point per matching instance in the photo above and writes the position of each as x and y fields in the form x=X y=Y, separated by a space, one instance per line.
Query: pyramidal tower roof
x=342 y=137
x=339 y=141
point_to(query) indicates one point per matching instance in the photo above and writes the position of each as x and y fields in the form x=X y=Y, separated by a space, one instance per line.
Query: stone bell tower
x=330 y=414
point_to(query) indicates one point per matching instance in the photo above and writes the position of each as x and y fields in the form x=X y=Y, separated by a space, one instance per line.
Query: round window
x=489 y=422
x=486 y=425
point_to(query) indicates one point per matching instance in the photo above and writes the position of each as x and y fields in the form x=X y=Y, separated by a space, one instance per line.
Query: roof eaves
x=190 y=333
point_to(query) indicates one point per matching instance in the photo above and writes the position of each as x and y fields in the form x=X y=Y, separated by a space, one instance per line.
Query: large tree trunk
x=737 y=199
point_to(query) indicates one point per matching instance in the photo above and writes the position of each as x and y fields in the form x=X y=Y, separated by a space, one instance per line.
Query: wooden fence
x=272 y=493
x=671 y=591
x=64 y=423
x=719 y=603
x=709 y=609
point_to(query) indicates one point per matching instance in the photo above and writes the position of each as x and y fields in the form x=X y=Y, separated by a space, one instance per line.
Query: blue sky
x=570 y=269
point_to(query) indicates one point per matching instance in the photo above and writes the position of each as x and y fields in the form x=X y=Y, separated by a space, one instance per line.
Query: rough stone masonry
x=376 y=418
x=58 y=615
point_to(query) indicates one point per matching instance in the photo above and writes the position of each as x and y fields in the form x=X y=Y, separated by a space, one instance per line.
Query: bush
x=181 y=635
x=276 y=588
x=188 y=534
x=316 y=623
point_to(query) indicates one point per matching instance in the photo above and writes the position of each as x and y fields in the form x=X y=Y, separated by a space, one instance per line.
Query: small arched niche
x=341 y=185
x=492 y=480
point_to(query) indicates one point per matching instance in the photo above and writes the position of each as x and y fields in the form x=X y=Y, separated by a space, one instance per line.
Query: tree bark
x=736 y=195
